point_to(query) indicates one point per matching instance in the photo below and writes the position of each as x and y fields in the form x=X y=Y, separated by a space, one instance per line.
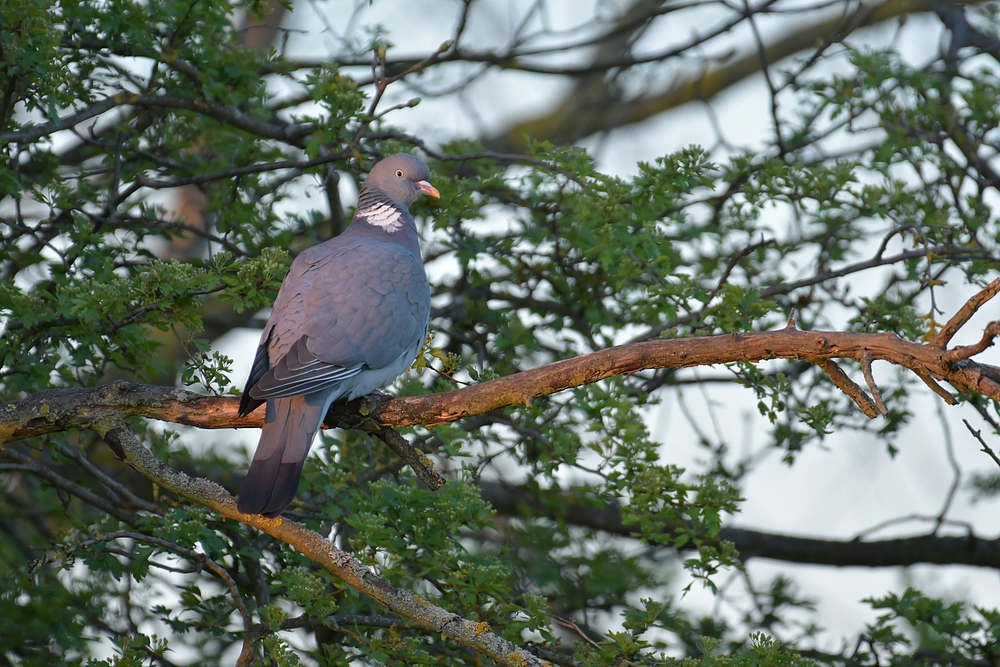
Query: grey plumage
x=349 y=318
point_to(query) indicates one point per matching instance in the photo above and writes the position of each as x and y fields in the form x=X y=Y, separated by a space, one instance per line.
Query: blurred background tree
x=162 y=159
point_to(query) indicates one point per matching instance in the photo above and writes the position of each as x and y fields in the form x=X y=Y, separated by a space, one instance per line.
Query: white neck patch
x=383 y=215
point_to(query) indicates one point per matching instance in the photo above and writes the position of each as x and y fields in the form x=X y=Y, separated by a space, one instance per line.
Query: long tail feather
x=289 y=427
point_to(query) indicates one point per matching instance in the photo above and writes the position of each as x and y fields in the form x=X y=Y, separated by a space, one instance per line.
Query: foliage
x=110 y=109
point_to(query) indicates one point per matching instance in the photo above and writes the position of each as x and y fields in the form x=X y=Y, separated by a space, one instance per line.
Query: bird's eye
x=399 y=173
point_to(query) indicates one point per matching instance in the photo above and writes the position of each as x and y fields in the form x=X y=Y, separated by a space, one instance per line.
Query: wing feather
x=345 y=309
x=299 y=373
x=261 y=364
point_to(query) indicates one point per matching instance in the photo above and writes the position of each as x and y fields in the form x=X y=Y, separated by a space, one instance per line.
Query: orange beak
x=429 y=189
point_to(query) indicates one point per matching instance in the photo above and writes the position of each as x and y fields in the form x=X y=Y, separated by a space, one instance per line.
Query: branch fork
x=874 y=405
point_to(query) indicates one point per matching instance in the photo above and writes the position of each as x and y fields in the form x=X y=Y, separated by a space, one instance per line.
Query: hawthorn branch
x=866 y=369
x=312 y=545
x=849 y=387
x=102 y=409
x=965 y=313
x=62 y=409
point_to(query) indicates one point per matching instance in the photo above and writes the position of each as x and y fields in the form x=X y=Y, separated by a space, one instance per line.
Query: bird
x=349 y=318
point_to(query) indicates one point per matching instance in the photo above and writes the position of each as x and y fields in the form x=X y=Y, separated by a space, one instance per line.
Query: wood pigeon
x=350 y=317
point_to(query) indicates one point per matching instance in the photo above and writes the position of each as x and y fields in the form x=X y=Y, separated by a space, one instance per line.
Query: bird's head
x=402 y=177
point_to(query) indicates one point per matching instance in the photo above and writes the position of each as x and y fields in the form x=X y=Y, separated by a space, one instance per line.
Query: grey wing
x=261 y=365
x=292 y=370
x=283 y=328
x=382 y=318
x=350 y=311
x=299 y=373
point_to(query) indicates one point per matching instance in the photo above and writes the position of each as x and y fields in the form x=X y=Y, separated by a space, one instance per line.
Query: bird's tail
x=273 y=478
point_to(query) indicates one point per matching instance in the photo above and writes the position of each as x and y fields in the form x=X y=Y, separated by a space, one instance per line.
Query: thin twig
x=991 y=331
x=849 y=387
x=571 y=625
x=935 y=387
x=866 y=368
x=122 y=494
x=949 y=450
x=60 y=482
x=965 y=313
x=730 y=266
x=446 y=375
x=979 y=436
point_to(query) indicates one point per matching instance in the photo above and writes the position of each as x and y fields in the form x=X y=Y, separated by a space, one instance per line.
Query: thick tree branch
x=63 y=409
x=935 y=549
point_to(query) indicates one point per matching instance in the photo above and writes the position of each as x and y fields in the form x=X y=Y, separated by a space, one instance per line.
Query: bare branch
x=964 y=313
x=935 y=387
x=979 y=436
x=849 y=387
x=991 y=331
x=866 y=368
